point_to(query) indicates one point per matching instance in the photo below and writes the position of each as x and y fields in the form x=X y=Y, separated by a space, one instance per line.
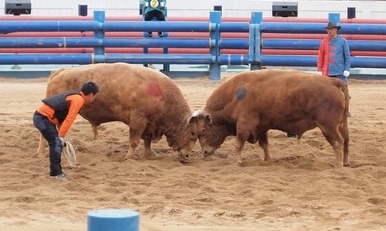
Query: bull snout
x=183 y=157
x=184 y=154
x=207 y=152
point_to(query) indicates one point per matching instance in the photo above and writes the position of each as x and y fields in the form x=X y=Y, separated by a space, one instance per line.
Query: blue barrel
x=112 y=220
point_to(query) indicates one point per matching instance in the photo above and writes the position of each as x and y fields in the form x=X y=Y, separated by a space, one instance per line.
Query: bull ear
x=208 y=119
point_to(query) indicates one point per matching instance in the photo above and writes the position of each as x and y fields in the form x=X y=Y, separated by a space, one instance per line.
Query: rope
x=69 y=152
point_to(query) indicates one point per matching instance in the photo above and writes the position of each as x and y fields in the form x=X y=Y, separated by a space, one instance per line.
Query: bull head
x=204 y=123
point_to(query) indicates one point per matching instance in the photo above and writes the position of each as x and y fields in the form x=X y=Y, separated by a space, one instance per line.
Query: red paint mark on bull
x=154 y=90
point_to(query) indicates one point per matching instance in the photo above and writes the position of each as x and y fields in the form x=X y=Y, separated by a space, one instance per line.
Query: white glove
x=146 y=4
x=162 y=4
x=346 y=73
x=62 y=141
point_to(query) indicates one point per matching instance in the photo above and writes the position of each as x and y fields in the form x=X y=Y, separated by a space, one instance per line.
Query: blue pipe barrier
x=294 y=44
x=312 y=44
x=306 y=60
x=319 y=28
x=234 y=27
x=40 y=26
x=231 y=59
x=270 y=27
x=298 y=28
x=234 y=43
x=47 y=58
x=158 y=26
x=122 y=42
x=253 y=45
x=160 y=58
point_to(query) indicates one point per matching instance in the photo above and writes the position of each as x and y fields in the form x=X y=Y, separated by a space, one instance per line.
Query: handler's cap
x=90 y=87
x=332 y=25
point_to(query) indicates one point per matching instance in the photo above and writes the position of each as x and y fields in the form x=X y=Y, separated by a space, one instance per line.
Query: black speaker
x=350 y=12
x=284 y=9
x=217 y=8
x=17 y=7
x=82 y=10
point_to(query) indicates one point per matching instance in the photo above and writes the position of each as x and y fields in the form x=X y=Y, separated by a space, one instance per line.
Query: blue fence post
x=166 y=50
x=214 y=66
x=255 y=41
x=334 y=17
x=99 y=51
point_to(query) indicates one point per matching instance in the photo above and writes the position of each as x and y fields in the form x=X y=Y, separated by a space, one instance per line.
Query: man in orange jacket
x=61 y=111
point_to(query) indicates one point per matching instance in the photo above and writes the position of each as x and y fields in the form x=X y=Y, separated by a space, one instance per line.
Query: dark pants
x=49 y=132
x=154 y=14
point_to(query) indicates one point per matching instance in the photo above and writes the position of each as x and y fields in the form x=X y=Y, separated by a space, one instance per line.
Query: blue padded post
x=99 y=51
x=255 y=40
x=334 y=17
x=113 y=220
x=214 y=66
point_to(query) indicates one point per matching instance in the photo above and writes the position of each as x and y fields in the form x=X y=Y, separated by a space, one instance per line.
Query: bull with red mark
x=149 y=102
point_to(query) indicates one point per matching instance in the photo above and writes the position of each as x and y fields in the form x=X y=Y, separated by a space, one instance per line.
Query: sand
x=298 y=190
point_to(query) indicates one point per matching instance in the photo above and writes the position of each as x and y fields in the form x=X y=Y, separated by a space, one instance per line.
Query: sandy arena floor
x=299 y=190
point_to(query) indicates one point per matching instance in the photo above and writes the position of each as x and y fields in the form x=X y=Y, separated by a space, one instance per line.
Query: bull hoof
x=41 y=155
x=237 y=161
x=149 y=156
x=338 y=166
x=183 y=160
x=133 y=157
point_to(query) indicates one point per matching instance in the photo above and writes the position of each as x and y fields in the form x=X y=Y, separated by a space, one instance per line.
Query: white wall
x=238 y=8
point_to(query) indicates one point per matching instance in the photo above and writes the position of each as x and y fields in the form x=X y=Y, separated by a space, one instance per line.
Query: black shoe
x=160 y=34
x=150 y=35
x=61 y=177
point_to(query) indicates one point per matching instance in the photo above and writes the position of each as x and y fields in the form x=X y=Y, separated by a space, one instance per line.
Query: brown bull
x=253 y=102
x=149 y=102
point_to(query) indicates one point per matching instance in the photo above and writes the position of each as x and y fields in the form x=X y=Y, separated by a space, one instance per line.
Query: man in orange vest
x=61 y=111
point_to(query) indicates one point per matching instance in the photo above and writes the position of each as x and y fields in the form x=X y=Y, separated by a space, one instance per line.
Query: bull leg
x=338 y=149
x=263 y=142
x=240 y=140
x=244 y=132
x=136 y=132
x=132 y=146
x=343 y=130
x=239 y=144
x=41 y=148
x=346 y=161
x=95 y=130
x=336 y=140
x=148 y=153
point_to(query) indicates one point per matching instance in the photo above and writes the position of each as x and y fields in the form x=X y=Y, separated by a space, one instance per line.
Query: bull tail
x=55 y=73
x=51 y=77
x=343 y=128
x=340 y=84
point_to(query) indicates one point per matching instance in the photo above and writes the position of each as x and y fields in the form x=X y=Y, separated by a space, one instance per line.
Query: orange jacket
x=76 y=104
